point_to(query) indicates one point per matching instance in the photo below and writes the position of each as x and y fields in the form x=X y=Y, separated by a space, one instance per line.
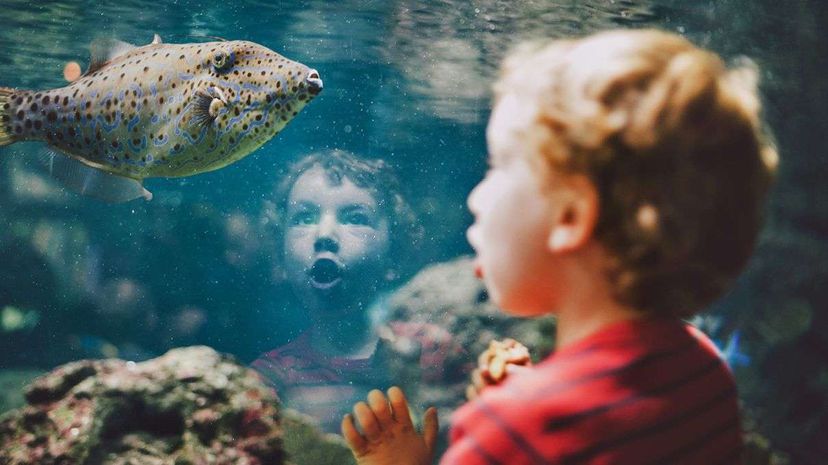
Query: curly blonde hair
x=673 y=141
x=374 y=174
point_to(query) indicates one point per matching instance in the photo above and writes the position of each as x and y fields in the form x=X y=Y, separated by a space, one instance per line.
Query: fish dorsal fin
x=201 y=36
x=156 y=39
x=105 y=50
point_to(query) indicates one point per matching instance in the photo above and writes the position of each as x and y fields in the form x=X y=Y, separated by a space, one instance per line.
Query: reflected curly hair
x=673 y=141
x=376 y=175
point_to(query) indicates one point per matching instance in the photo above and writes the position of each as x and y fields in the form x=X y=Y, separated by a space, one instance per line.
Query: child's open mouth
x=325 y=274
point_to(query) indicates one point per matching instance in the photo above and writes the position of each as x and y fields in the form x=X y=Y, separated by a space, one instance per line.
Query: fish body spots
x=139 y=114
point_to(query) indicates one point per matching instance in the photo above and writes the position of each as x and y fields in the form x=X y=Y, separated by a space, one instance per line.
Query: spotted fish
x=166 y=110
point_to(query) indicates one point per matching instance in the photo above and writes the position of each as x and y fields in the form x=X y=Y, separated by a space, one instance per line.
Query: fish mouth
x=314 y=82
x=325 y=273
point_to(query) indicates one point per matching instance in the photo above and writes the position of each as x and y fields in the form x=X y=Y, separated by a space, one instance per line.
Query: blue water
x=406 y=81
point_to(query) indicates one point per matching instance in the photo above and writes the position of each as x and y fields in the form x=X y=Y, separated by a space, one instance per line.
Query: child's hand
x=495 y=363
x=389 y=437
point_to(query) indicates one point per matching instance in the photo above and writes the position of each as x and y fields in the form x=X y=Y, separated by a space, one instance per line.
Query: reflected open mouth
x=325 y=274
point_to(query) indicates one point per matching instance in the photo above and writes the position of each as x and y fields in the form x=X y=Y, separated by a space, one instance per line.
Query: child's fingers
x=512 y=369
x=430 y=428
x=471 y=392
x=368 y=421
x=355 y=441
x=484 y=357
x=399 y=407
x=478 y=382
x=379 y=404
x=497 y=367
x=477 y=378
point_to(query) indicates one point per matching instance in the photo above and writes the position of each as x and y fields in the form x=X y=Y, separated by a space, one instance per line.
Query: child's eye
x=303 y=218
x=357 y=218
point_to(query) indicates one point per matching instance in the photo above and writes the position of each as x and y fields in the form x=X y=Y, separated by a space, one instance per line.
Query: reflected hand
x=388 y=436
x=501 y=359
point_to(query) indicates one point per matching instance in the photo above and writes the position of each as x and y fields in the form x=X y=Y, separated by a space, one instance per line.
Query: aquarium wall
x=407 y=82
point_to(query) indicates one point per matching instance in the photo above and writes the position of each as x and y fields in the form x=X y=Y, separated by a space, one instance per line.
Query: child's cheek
x=298 y=244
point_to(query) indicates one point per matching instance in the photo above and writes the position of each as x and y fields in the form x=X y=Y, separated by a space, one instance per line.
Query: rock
x=758 y=451
x=12 y=383
x=307 y=445
x=190 y=406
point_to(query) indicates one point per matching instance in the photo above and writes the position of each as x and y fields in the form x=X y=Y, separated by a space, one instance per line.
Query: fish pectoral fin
x=207 y=105
x=93 y=182
x=105 y=50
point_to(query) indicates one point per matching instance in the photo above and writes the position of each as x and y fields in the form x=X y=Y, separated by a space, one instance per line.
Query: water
x=406 y=81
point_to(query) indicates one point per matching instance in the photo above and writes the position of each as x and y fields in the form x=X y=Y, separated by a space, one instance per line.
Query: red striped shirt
x=319 y=385
x=639 y=392
x=326 y=387
x=299 y=363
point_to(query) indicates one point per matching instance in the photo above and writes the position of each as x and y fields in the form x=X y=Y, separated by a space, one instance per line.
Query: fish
x=158 y=110
x=731 y=351
x=726 y=339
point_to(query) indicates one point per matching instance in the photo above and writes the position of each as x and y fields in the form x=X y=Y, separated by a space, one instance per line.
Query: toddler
x=627 y=181
x=341 y=222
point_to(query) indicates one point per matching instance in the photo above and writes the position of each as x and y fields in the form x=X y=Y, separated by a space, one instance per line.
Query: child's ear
x=574 y=215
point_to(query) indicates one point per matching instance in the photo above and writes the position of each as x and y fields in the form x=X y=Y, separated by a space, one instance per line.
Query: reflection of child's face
x=512 y=212
x=336 y=240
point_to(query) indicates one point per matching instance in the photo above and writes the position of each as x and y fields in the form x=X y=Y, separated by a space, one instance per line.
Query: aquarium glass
x=228 y=258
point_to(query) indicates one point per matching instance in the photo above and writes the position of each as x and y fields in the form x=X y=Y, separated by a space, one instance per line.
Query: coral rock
x=190 y=406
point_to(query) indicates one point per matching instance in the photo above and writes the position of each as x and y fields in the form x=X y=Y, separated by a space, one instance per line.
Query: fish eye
x=222 y=61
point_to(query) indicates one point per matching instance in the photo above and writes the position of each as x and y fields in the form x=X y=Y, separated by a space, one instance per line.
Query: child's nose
x=326 y=237
x=325 y=244
x=327 y=225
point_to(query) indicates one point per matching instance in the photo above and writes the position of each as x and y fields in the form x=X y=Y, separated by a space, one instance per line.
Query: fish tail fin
x=6 y=134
